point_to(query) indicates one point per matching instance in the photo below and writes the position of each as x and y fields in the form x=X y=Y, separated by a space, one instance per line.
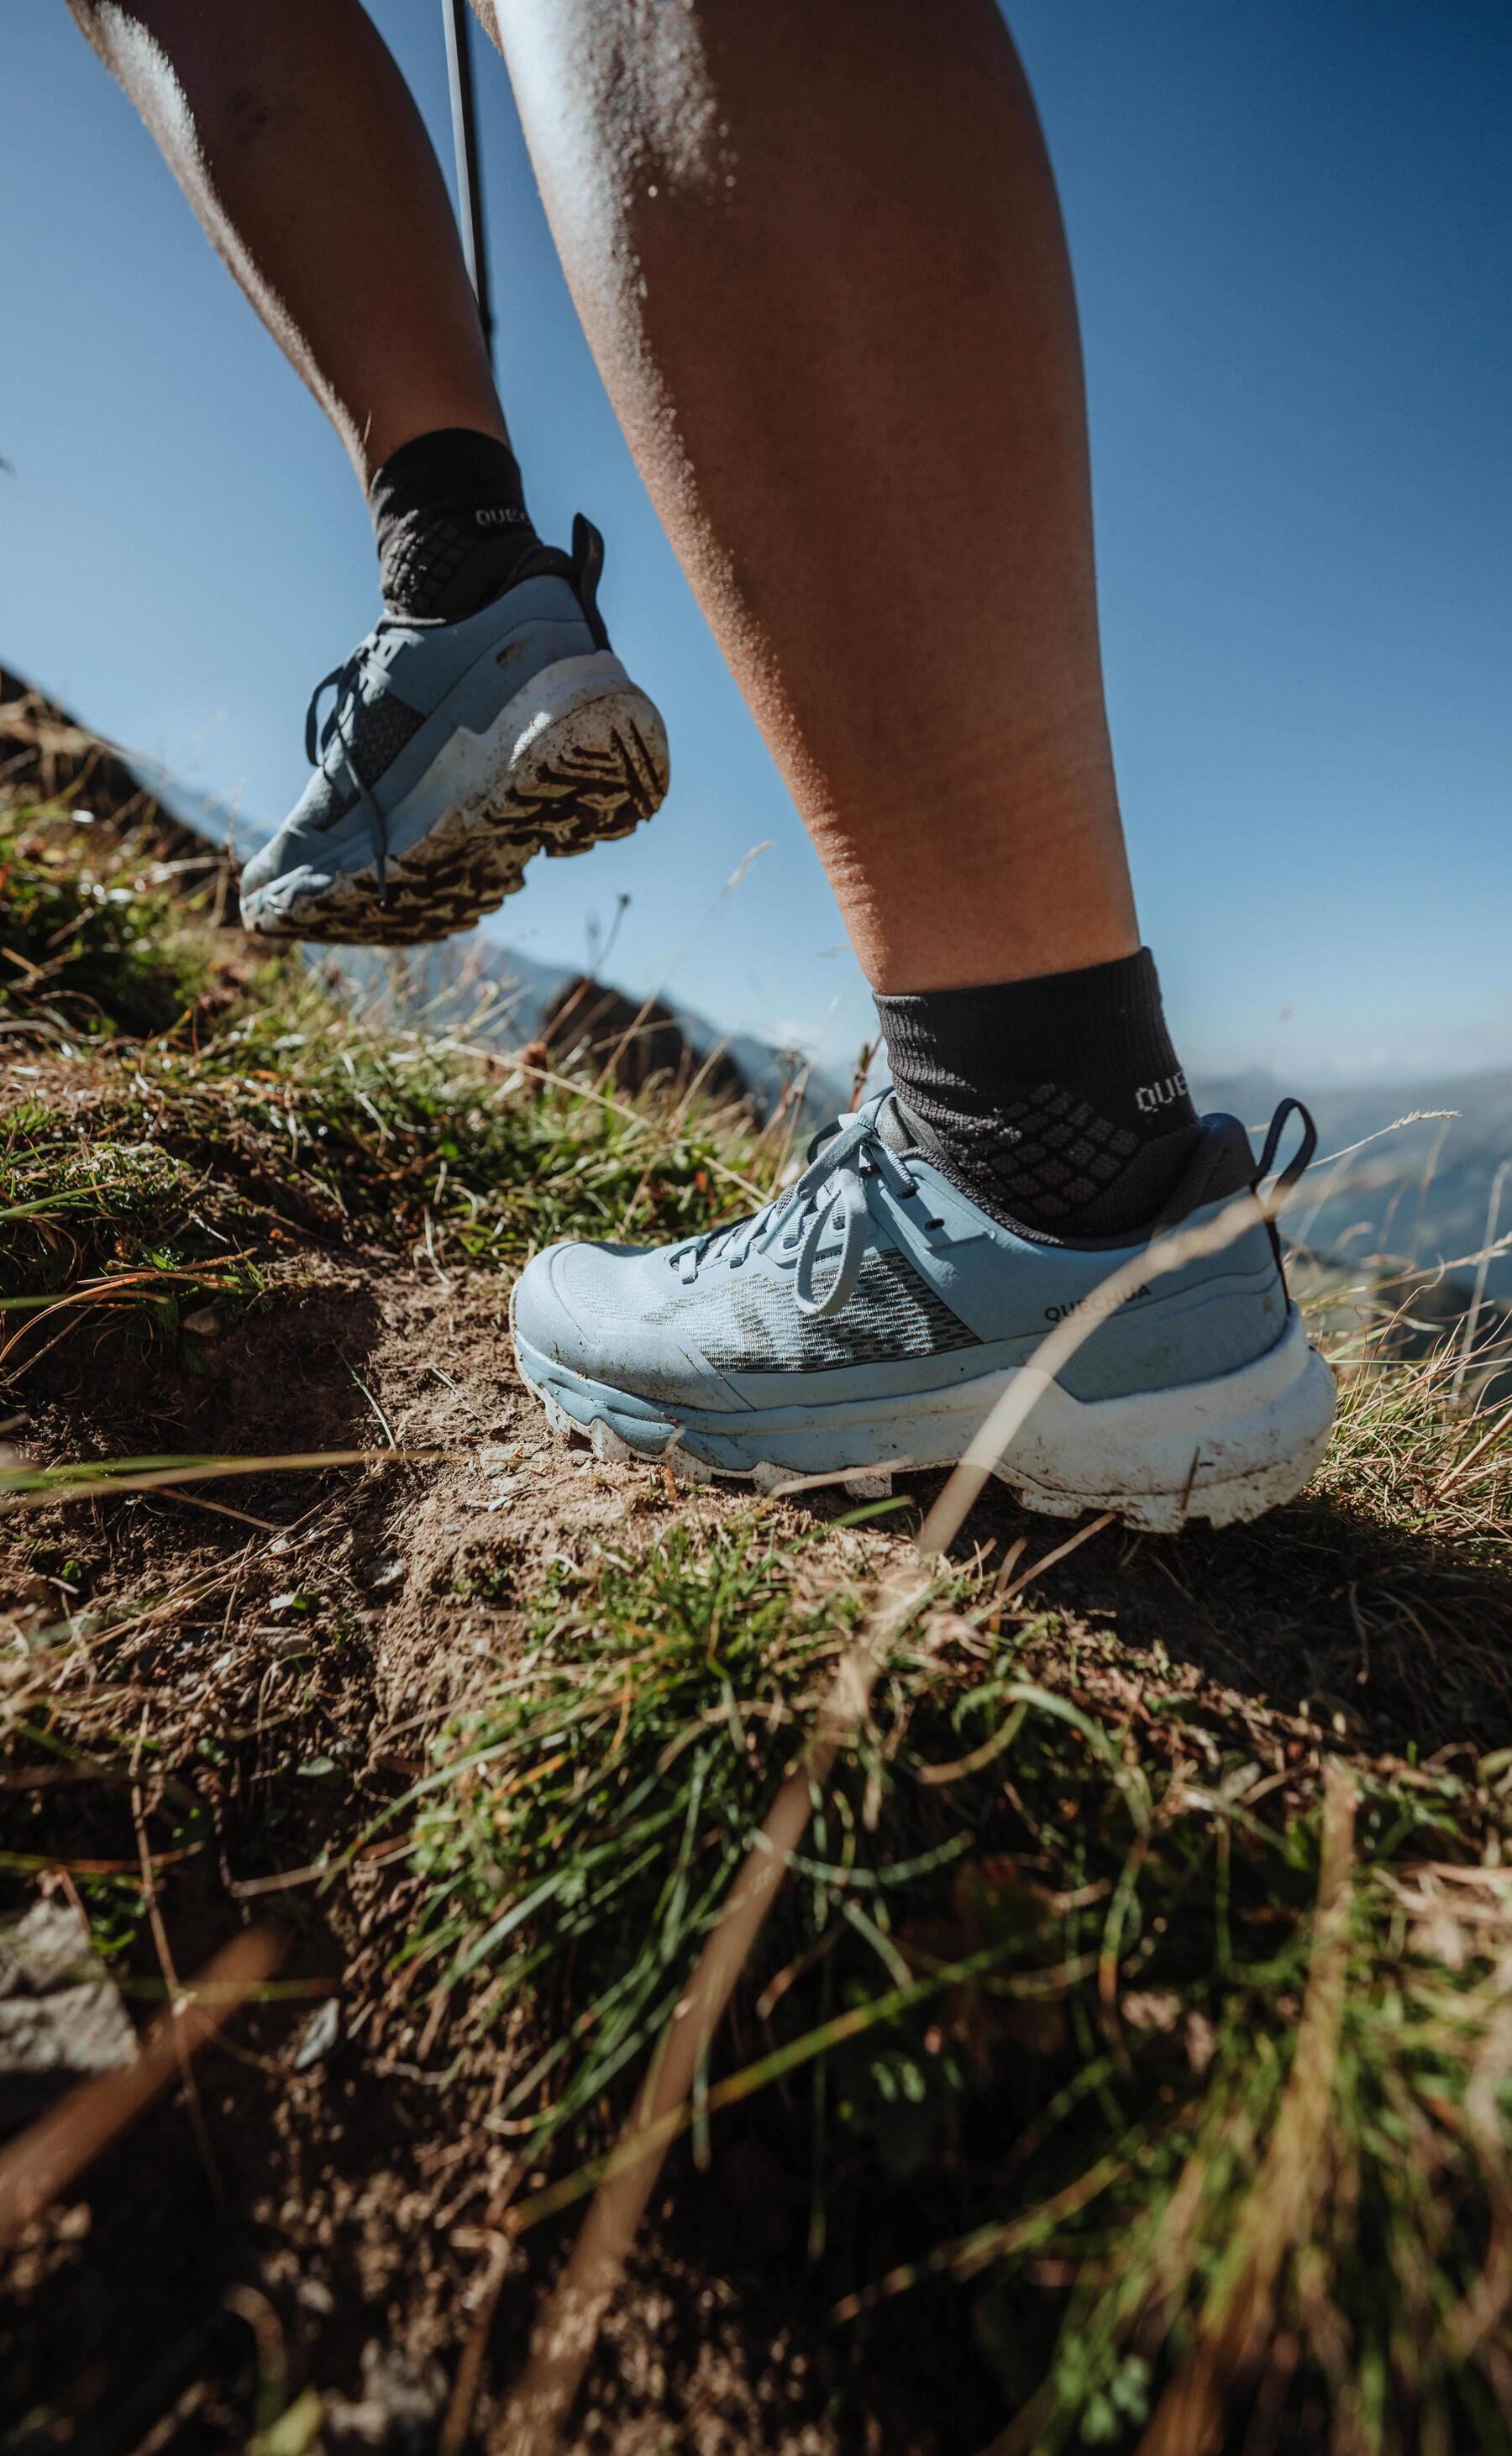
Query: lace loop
x=341 y=676
x=1308 y=1145
x=830 y=1196
x=854 y=1215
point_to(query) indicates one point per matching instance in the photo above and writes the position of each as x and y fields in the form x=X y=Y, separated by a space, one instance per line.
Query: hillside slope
x=1124 y=2062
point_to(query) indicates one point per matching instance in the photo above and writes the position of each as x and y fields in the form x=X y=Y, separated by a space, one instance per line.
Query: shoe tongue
x=902 y=1133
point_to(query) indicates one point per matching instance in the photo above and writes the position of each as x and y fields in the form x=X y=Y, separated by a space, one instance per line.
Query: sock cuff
x=452 y=463
x=1061 y=1024
x=450 y=521
x=1099 y=1033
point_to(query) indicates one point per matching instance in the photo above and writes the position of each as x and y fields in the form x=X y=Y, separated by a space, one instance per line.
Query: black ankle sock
x=449 y=512
x=1057 y=1103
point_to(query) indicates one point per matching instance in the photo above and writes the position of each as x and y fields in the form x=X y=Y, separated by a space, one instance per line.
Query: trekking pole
x=464 y=137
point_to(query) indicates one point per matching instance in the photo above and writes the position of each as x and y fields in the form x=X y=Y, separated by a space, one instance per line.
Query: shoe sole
x=578 y=758
x=1223 y=1450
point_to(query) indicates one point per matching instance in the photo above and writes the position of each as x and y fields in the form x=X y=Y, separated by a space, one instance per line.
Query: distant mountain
x=494 y=993
x=1422 y=1191
x=1419 y=1193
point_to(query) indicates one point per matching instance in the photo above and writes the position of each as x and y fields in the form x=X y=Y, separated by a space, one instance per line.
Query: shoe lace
x=830 y=1194
x=346 y=680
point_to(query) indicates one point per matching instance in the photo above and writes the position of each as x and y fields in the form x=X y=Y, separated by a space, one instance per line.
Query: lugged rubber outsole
x=1224 y=1450
x=584 y=772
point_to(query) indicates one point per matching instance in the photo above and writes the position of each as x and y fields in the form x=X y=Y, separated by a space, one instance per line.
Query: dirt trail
x=358 y=2180
x=241 y=1683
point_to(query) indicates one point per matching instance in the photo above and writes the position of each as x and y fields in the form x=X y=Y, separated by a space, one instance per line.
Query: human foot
x=872 y=1317
x=455 y=750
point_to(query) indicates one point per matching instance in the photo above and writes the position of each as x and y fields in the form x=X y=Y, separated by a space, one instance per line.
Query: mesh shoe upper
x=402 y=694
x=875 y=1272
x=744 y=1321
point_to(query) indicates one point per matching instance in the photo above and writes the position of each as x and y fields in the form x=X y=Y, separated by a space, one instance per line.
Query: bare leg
x=296 y=141
x=816 y=247
x=487 y=692
x=817 y=250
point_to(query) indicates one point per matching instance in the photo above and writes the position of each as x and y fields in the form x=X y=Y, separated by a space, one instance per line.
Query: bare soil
x=333 y=2224
x=331 y=2219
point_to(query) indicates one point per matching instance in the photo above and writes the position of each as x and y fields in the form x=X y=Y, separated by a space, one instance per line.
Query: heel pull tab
x=1290 y=1171
x=1293 y=1168
x=587 y=564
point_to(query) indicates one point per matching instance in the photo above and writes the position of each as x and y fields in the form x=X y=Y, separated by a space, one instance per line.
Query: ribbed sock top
x=449 y=515
x=1057 y=1103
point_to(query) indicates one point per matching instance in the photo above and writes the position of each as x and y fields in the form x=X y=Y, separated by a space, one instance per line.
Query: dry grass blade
x=1188 y=2421
x=58 y=1484
x=165 y=1962
x=1061 y=1551
x=458 y=2420
x=1459 y=1472
x=103 y=1292
x=568 y=2331
x=46 y=2159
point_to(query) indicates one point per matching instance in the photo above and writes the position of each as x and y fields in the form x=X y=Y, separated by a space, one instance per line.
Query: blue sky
x=1291 y=228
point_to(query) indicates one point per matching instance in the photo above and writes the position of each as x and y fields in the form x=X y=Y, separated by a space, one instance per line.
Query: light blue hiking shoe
x=452 y=752
x=869 y=1318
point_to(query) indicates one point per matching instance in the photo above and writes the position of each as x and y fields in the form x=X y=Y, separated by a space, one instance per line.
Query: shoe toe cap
x=261 y=869
x=569 y=1304
x=596 y=1311
x=304 y=843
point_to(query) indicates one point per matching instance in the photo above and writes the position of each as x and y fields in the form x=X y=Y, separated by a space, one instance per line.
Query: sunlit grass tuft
x=95 y=934
x=1137 y=2004
x=1105 y=2117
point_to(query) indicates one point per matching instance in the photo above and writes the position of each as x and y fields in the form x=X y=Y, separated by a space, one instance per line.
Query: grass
x=99 y=932
x=1132 y=2033
x=610 y=1790
x=1137 y=1884
x=263 y=1112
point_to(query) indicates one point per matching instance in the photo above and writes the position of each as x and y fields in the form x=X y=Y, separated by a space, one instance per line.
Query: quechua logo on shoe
x=1093 y=1304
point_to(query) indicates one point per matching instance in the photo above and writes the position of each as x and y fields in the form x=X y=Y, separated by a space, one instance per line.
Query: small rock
x=399 y=2411
x=319 y=2036
x=61 y=2014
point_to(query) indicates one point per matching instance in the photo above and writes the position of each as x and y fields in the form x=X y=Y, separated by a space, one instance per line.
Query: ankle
x=1058 y=1103
x=451 y=524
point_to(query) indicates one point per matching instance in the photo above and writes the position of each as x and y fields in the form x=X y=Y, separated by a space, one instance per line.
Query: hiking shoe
x=451 y=753
x=870 y=1317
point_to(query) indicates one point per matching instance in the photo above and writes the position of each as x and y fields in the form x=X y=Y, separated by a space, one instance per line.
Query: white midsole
x=1252 y=1436
x=1201 y=1433
x=470 y=771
